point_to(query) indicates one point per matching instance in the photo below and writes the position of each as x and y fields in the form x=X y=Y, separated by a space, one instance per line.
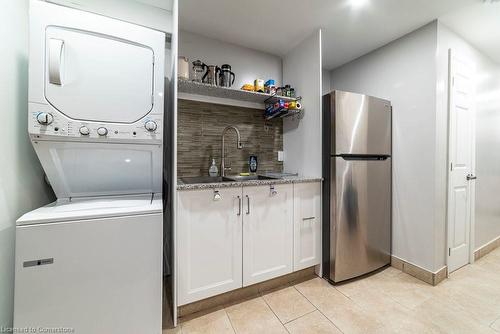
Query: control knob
x=150 y=126
x=44 y=118
x=85 y=131
x=102 y=131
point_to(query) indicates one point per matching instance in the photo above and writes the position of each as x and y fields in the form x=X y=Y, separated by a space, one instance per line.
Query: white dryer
x=92 y=261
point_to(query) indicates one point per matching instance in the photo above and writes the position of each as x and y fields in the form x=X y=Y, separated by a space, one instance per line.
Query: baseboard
x=197 y=308
x=483 y=250
x=429 y=277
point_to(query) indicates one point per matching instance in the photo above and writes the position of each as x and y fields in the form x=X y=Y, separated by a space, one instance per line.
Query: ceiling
x=277 y=26
x=479 y=24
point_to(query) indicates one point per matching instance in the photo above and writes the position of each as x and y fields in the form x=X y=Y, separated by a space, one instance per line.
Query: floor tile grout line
x=230 y=322
x=303 y=315
x=270 y=308
x=319 y=310
x=491 y=324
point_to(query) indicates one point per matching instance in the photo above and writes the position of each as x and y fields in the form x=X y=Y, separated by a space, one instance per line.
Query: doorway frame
x=472 y=185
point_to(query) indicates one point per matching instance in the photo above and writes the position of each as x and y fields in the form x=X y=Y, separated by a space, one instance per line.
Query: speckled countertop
x=226 y=184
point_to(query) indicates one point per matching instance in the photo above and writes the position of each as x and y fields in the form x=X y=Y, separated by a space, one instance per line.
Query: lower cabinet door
x=209 y=243
x=267 y=232
x=307 y=225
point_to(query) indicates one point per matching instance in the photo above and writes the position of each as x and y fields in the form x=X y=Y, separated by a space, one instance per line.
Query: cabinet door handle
x=248 y=204
x=217 y=195
x=239 y=206
x=308 y=218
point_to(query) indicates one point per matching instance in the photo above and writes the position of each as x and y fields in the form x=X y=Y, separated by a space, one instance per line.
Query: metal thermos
x=226 y=76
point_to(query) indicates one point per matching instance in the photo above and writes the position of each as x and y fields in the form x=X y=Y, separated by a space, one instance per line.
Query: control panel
x=44 y=121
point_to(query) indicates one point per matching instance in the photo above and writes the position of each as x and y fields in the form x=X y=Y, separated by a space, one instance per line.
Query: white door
x=267 y=232
x=209 y=243
x=461 y=159
x=95 y=276
x=307 y=225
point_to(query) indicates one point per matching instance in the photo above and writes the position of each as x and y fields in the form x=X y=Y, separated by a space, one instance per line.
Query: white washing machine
x=92 y=265
x=92 y=261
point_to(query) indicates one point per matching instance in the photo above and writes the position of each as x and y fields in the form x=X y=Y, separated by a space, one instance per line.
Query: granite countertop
x=226 y=184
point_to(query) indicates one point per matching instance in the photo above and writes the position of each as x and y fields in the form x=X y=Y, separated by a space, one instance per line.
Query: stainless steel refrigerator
x=357 y=168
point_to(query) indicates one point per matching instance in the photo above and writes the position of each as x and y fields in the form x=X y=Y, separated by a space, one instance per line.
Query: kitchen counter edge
x=249 y=183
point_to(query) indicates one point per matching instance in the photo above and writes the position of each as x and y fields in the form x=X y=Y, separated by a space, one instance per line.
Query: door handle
x=248 y=204
x=56 y=50
x=471 y=177
x=239 y=206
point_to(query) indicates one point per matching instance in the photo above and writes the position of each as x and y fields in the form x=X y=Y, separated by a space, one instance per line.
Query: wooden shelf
x=195 y=91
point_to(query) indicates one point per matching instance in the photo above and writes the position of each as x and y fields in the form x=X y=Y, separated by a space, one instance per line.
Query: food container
x=248 y=87
x=259 y=85
x=183 y=68
x=270 y=87
x=286 y=91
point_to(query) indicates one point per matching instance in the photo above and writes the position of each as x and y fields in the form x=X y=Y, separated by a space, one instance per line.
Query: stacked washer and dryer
x=92 y=260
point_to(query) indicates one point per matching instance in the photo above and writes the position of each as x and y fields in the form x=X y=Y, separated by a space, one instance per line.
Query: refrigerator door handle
x=362 y=157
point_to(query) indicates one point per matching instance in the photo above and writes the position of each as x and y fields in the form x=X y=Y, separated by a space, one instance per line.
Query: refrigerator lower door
x=360 y=219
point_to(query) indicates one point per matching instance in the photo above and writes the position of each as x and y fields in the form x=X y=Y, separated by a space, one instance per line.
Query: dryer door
x=78 y=169
x=96 y=77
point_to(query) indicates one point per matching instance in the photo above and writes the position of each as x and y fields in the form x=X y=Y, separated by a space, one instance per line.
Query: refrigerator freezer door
x=362 y=125
x=360 y=217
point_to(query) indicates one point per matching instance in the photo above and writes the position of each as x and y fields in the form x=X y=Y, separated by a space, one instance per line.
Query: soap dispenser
x=213 y=170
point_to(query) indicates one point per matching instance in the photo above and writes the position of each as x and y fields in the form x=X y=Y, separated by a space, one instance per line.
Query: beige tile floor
x=387 y=302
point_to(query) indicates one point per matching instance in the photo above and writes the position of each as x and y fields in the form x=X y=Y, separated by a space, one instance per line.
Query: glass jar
x=198 y=70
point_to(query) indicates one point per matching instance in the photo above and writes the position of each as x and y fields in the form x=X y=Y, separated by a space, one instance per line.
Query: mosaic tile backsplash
x=199 y=130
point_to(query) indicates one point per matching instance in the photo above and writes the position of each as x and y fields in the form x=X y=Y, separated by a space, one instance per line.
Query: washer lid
x=93 y=208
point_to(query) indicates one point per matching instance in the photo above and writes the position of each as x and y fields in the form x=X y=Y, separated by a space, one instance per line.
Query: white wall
x=325 y=82
x=487 y=216
x=302 y=138
x=21 y=179
x=247 y=64
x=404 y=72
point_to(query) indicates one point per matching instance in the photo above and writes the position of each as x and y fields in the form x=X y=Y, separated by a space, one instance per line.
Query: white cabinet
x=267 y=232
x=228 y=238
x=209 y=243
x=307 y=225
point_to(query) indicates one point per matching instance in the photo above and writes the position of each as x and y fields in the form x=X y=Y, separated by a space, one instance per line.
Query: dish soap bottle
x=252 y=163
x=213 y=170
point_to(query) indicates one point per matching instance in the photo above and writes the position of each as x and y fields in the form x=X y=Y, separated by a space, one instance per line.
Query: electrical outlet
x=281 y=156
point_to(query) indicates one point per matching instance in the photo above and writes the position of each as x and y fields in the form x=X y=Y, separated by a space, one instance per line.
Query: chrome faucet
x=238 y=145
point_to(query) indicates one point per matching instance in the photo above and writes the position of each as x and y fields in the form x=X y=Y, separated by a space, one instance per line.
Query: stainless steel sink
x=205 y=179
x=250 y=177
x=219 y=179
